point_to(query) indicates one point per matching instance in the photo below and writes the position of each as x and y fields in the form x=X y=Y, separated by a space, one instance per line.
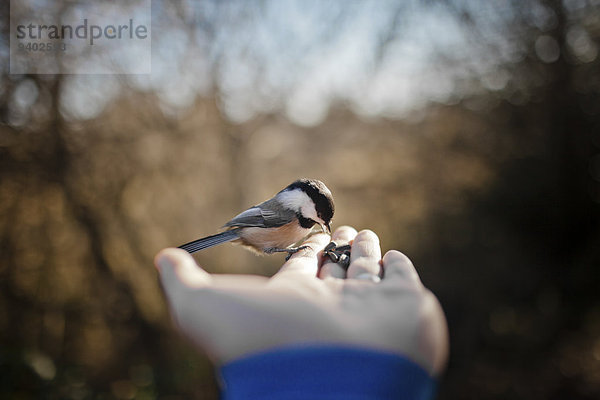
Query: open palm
x=310 y=300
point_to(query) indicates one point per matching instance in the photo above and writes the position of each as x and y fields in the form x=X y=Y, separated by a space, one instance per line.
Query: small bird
x=276 y=224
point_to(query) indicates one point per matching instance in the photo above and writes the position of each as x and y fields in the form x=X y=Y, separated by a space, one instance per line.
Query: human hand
x=310 y=300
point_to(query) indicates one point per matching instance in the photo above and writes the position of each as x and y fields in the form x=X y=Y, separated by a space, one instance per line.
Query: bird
x=278 y=223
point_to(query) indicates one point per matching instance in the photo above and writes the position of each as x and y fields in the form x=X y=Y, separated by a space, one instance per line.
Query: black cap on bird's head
x=320 y=195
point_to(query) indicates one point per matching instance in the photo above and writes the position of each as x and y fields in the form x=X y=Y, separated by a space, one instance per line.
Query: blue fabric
x=325 y=372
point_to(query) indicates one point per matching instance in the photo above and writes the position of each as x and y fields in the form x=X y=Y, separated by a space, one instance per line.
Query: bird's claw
x=293 y=250
x=290 y=250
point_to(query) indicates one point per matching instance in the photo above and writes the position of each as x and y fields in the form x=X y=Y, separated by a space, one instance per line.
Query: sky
x=380 y=58
x=293 y=57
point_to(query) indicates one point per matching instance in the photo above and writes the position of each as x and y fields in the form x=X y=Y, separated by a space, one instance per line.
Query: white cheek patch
x=298 y=200
x=309 y=211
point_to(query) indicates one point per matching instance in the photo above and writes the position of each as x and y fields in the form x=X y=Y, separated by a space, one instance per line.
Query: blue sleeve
x=325 y=372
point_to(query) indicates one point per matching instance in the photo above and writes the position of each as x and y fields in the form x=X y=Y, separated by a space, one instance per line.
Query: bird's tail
x=210 y=241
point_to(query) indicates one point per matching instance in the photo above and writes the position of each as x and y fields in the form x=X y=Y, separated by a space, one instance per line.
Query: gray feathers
x=210 y=241
x=269 y=214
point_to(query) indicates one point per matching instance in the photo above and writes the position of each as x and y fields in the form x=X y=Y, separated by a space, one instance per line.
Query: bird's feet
x=290 y=250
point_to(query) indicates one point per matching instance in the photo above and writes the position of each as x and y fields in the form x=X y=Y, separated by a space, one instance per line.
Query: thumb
x=178 y=271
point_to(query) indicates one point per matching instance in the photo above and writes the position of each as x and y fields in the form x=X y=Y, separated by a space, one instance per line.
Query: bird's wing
x=264 y=215
x=210 y=241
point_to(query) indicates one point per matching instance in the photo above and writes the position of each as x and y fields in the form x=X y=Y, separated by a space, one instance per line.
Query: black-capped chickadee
x=276 y=224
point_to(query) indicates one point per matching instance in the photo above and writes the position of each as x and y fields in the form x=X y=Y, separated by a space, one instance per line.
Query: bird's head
x=311 y=200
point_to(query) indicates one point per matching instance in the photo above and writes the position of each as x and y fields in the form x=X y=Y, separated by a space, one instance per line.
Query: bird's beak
x=326 y=228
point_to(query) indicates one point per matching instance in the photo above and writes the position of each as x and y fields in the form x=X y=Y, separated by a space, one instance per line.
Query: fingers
x=396 y=266
x=342 y=235
x=178 y=271
x=365 y=256
x=306 y=260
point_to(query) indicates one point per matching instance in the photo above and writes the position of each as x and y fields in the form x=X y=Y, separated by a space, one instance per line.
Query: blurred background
x=465 y=133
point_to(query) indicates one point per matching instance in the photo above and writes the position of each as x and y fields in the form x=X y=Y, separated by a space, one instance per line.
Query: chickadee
x=276 y=224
